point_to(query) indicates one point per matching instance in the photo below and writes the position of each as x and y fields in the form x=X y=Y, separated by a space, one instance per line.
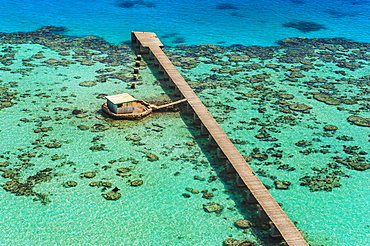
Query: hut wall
x=123 y=110
x=112 y=107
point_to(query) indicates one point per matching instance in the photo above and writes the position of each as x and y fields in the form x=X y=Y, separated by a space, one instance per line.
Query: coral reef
x=27 y=188
x=355 y=162
x=319 y=183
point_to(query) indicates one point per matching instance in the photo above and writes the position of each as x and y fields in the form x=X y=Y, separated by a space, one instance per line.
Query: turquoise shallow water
x=79 y=215
x=242 y=95
x=247 y=107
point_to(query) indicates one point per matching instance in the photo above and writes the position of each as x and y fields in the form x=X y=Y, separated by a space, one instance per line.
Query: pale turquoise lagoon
x=155 y=211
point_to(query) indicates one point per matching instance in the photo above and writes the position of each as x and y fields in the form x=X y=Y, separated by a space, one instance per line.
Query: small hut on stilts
x=125 y=106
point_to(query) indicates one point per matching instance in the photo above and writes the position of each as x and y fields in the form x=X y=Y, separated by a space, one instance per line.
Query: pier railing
x=269 y=209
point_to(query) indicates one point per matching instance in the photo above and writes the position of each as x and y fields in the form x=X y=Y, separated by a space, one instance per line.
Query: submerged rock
x=52 y=61
x=191 y=190
x=38 y=56
x=70 y=184
x=238 y=58
x=8 y=174
x=133 y=137
x=260 y=156
x=360 y=121
x=355 y=162
x=53 y=145
x=24 y=189
x=231 y=242
x=208 y=195
x=299 y=107
x=88 y=83
x=286 y=167
x=81 y=116
x=101 y=183
x=242 y=223
x=303 y=143
x=186 y=195
x=282 y=185
x=213 y=207
x=123 y=169
x=152 y=157
x=304 y=26
x=89 y=175
x=94 y=183
x=319 y=183
x=246 y=243
x=325 y=98
x=100 y=147
x=330 y=128
x=235 y=242
x=4 y=164
x=77 y=111
x=345 y=138
x=196 y=177
x=100 y=127
x=112 y=195
x=286 y=96
x=106 y=184
x=83 y=127
x=137 y=182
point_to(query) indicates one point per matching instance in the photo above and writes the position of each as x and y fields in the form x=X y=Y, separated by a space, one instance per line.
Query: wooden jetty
x=269 y=209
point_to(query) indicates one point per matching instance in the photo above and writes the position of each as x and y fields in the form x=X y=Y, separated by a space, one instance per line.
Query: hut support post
x=196 y=120
x=165 y=76
x=274 y=232
x=177 y=92
x=203 y=130
x=155 y=61
x=211 y=141
x=249 y=198
x=261 y=214
x=171 y=84
x=239 y=182
x=220 y=154
x=229 y=167
x=189 y=109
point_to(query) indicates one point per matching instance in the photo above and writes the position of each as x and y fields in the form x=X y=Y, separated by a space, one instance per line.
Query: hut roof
x=121 y=98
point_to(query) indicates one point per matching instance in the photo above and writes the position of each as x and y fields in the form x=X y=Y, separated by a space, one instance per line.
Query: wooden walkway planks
x=156 y=107
x=147 y=42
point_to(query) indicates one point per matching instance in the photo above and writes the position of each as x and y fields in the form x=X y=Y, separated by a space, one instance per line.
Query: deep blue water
x=194 y=22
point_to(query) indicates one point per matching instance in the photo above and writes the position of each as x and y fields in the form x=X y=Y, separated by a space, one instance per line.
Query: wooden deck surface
x=278 y=217
x=156 y=107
